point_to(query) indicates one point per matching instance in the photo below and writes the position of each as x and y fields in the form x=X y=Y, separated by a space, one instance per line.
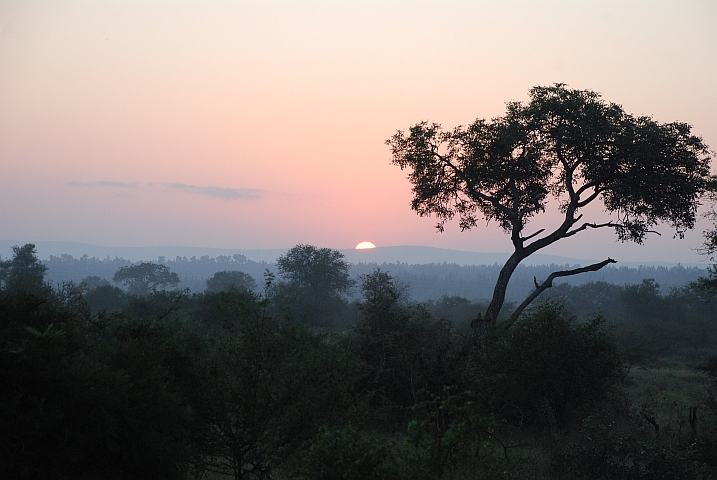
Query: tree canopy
x=231 y=279
x=24 y=272
x=145 y=277
x=565 y=146
x=314 y=284
x=315 y=268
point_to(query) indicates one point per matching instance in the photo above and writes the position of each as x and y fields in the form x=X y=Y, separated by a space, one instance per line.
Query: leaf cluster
x=564 y=144
x=145 y=277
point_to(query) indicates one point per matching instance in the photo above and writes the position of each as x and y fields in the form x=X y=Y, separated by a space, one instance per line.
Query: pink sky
x=262 y=124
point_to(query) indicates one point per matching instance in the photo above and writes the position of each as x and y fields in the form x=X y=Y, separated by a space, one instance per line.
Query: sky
x=261 y=124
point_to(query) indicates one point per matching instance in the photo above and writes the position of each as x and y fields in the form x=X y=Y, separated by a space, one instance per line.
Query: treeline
x=432 y=281
x=287 y=377
x=193 y=272
x=427 y=281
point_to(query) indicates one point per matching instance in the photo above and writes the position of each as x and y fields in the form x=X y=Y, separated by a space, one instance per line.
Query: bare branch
x=587 y=186
x=533 y=235
x=592 y=197
x=549 y=283
x=602 y=225
x=569 y=170
x=590 y=225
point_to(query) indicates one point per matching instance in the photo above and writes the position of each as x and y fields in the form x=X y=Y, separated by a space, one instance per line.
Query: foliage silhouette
x=547 y=367
x=24 y=272
x=566 y=144
x=145 y=277
x=231 y=279
x=314 y=287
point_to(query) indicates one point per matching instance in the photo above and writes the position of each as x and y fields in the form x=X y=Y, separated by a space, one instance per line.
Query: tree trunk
x=501 y=285
x=548 y=283
x=496 y=303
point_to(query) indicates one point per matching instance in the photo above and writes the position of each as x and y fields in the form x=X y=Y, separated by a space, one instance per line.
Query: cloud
x=210 y=191
x=103 y=184
x=217 y=192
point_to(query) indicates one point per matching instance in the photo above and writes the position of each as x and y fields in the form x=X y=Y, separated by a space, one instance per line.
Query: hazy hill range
x=430 y=272
x=410 y=254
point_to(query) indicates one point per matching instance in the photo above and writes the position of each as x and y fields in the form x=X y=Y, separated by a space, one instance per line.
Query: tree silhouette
x=145 y=277
x=315 y=282
x=24 y=273
x=231 y=279
x=566 y=145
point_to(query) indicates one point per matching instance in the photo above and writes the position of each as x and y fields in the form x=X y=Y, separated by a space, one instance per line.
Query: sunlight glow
x=365 y=245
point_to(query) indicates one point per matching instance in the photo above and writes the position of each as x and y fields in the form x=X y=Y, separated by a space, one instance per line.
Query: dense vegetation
x=428 y=281
x=289 y=377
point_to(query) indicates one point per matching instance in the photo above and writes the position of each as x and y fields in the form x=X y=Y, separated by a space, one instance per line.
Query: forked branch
x=533 y=235
x=540 y=288
x=590 y=225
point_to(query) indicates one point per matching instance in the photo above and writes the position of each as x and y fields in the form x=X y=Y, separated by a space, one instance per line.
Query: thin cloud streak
x=209 y=191
x=103 y=184
x=218 y=192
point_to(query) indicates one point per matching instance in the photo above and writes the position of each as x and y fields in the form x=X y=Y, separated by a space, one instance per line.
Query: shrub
x=545 y=367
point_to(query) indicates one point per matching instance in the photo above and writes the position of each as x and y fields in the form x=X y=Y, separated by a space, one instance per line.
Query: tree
x=262 y=391
x=316 y=268
x=708 y=284
x=316 y=281
x=231 y=279
x=145 y=277
x=408 y=357
x=90 y=397
x=24 y=273
x=548 y=366
x=566 y=145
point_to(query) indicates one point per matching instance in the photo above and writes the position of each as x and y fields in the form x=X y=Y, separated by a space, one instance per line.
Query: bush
x=345 y=453
x=604 y=451
x=545 y=367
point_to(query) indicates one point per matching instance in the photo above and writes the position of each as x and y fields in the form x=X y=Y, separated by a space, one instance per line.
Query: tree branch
x=592 y=197
x=533 y=235
x=475 y=192
x=549 y=283
x=588 y=186
x=601 y=225
x=569 y=171
x=591 y=225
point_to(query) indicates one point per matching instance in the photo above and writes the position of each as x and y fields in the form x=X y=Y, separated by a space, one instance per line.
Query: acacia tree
x=316 y=268
x=566 y=145
x=315 y=284
x=145 y=277
x=231 y=279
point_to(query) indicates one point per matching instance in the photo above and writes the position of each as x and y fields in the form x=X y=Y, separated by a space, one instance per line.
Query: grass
x=667 y=384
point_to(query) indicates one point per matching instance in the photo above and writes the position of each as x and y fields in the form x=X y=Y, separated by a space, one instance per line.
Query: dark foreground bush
x=606 y=451
x=547 y=369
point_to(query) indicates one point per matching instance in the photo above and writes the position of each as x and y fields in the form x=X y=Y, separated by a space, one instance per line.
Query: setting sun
x=365 y=245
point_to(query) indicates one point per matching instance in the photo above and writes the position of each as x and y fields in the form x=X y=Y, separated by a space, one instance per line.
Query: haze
x=262 y=124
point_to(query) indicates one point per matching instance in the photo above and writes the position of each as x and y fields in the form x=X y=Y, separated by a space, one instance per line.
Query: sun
x=365 y=245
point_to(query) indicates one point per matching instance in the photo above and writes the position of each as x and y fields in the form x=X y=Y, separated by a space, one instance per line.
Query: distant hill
x=135 y=254
x=430 y=272
x=417 y=255
x=412 y=255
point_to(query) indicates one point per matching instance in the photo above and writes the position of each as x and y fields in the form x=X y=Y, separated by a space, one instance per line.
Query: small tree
x=566 y=144
x=547 y=366
x=145 y=277
x=316 y=281
x=231 y=279
x=316 y=268
x=24 y=273
x=708 y=284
